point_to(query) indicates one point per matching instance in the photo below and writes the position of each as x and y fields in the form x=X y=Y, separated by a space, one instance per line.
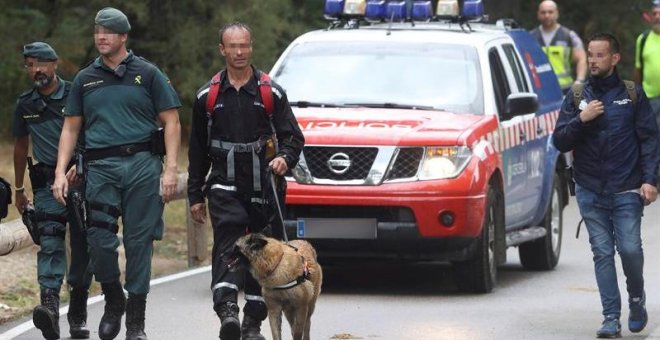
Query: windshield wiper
x=395 y=106
x=303 y=104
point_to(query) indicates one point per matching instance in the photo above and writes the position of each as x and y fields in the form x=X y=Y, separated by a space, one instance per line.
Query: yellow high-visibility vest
x=559 y=54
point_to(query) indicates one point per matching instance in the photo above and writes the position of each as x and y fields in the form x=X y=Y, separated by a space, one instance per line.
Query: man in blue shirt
x=615 y=144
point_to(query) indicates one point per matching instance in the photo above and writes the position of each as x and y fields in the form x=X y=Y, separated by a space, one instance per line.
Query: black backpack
x=5 y=197
x=645 y=35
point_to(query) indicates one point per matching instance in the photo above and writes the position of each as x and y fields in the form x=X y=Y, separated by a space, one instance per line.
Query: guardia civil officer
x=237 y=144
x=39 y=115
x=119 y=100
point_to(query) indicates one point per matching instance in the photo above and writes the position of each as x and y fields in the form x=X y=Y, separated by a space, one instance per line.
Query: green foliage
x=181 y=37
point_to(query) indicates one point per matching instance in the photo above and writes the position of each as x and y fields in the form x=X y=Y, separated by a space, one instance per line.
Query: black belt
x=116 y=151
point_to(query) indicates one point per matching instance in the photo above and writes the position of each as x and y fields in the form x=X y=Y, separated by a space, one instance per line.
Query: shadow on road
x=404 y=279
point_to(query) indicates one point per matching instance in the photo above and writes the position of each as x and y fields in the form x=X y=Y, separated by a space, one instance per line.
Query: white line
x=28 y=325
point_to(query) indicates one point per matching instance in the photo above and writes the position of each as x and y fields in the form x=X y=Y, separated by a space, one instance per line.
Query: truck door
x=513 y=152
x=541 y=154
x=531 y=132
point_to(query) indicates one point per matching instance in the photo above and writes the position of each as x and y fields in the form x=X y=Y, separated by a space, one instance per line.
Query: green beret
x=113 y=19
x=39 y=50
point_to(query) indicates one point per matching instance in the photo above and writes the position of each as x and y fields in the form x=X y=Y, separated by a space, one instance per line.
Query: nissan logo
x=339 y=163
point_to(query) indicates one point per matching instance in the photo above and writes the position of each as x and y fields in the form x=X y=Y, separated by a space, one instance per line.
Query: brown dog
x=290 y=279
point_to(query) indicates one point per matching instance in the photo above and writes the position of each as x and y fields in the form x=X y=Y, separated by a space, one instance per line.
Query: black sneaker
x=611 y=328
x=638 y=317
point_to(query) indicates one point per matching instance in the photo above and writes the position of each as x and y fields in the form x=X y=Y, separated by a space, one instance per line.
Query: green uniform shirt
x=120 y=107
x=42 y=118
x=651 y=69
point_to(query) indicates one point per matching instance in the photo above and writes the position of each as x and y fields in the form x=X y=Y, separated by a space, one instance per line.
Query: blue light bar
x=473 y=9
x=376 y=9
x=422 y=10
x=396 y=10
x=333 y=8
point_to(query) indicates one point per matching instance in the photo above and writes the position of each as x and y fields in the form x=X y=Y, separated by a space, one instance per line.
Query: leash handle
x=277 y=202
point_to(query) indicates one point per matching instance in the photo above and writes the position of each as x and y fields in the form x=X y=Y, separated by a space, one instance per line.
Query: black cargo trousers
x=234 y=213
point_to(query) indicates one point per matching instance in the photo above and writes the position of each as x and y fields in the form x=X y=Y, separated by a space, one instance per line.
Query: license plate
x=342 y=228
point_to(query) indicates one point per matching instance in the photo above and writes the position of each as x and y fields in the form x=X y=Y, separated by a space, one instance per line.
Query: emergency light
x=447 y=8
x=355 y=7
x=332 y=9
x=400 y=10
x=375 y=10
x=396 y=10
x=422 y=10
x=473 y=9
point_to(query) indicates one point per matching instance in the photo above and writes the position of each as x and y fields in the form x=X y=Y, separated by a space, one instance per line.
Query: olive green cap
x=113 y=19
x=39 y=50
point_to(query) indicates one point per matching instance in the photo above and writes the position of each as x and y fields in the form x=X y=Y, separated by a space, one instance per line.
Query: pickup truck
x=425 y=141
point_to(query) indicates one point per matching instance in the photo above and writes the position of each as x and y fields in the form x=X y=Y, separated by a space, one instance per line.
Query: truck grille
x=406 y=163
x=340 y=163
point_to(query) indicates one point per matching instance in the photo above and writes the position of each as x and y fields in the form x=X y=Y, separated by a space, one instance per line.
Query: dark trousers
x=232 y=216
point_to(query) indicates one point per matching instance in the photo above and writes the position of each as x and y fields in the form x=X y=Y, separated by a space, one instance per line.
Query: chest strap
x=232 y=148
x=300 y=279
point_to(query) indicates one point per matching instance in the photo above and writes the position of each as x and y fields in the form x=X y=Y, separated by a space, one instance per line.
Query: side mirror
x=521 y=104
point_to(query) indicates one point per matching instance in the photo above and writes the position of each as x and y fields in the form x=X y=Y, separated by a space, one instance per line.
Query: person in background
x=39 y=115
x=562 y=45
x=647 y=61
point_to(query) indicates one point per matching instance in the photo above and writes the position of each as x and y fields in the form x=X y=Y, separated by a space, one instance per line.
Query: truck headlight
x=444 y=162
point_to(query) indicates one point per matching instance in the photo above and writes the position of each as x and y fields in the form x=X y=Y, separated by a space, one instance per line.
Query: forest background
x=181 y=36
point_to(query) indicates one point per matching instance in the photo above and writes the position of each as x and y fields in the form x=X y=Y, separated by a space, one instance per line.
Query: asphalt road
x=417 y=302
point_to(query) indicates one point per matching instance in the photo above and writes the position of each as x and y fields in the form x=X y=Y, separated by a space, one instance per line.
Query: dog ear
x=257 y=243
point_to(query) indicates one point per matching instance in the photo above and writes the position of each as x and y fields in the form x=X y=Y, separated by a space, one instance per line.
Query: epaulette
x=91 y=61
x=145 y=60
x=25 y=94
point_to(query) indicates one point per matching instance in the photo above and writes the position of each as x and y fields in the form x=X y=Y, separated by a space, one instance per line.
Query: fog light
x=447 y=218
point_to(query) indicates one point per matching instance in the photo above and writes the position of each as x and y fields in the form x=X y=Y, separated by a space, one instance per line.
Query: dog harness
x=300 y=279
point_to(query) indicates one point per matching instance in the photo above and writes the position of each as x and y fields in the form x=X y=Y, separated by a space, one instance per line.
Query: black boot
x=77 y=315
x=115 y=304
x=230 y=328
x=251 y=328
x=46 y=317
x=135 y=307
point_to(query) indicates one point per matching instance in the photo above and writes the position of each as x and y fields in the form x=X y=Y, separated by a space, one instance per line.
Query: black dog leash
x=277 y=202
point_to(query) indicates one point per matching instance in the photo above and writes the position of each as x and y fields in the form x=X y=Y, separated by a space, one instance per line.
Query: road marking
x=28 y=325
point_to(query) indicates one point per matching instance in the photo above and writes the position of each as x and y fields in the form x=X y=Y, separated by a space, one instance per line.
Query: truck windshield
x=336 y=73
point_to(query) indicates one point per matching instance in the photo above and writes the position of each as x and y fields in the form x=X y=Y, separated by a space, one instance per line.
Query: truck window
x=500 y=83
x=442 y=76
x=514 y=62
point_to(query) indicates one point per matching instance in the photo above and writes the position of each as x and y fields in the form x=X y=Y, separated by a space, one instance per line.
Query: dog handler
x=236 y=142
